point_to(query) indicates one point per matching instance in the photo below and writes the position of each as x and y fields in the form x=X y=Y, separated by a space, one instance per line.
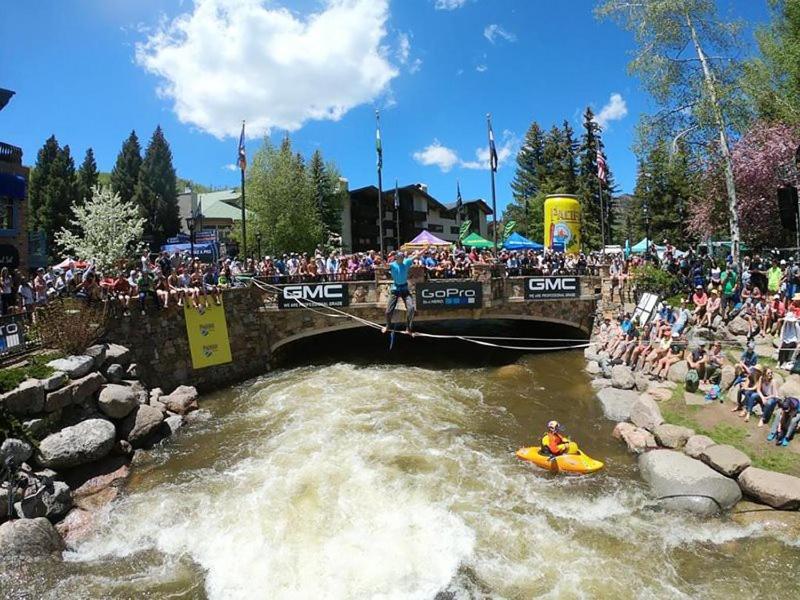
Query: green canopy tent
x=473 y=240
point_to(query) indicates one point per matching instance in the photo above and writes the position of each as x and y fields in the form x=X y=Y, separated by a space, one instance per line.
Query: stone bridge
x=261 y=320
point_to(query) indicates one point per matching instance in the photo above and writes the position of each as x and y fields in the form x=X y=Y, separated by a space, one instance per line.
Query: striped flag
x=378 y=144
x=602 y=171
x=242 y=158
x=459 y=200
x=396 y=196
x=492 y=148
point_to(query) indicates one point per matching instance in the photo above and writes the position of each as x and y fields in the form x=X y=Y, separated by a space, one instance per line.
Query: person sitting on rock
x=555 y=443
x=785 y=425
x=766 y=396
x=699 y=299
x=748 y=386
x=697 y=359
x=674 y=355
x=714 y=361
x=712 y=308
x=744 y=367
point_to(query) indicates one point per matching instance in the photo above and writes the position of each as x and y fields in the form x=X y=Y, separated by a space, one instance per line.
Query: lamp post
x=190 y=224
x=646 y=211
x=258 y=245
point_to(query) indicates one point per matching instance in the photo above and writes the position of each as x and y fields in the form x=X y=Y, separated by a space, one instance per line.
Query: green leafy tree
x=686 y=60
x=125 y=174
x=87 y=176
x=105 y=228
x=156 y=191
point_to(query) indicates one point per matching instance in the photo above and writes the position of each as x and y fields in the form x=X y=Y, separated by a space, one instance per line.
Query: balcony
x=10 y=154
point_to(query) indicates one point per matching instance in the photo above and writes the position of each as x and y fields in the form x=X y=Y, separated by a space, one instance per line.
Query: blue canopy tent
x=518 y=242
x=207 y=253
x=641 y=247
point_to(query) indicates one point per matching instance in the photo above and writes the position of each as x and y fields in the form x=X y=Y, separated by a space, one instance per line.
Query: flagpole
x=458 y=213
x=602 y=217
x=396 y=216
x=244 y=217
x=380 y=182
x=494 y=195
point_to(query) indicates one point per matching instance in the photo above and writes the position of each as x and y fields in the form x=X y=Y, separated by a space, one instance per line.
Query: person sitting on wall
x=399 y=271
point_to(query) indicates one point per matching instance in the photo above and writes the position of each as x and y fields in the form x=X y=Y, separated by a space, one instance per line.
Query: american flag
x=378 y=144
x=242 y=159
x=492 y=148
x=601 y=166
x=459 y=201
x=396 y=196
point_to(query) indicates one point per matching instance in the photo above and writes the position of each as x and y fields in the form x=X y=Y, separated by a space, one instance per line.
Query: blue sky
x=89 y=71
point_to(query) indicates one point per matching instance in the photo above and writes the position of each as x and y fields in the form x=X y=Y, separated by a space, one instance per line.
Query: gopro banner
x=208 y=335
x=449 y=294
x=552 y=288
x=313 y=294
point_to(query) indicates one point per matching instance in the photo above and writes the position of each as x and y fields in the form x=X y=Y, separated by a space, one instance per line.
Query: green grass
x=11 y=378
x=35 y=368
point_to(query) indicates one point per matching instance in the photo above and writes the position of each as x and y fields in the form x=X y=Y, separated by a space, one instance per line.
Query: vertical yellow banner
x=208 y=336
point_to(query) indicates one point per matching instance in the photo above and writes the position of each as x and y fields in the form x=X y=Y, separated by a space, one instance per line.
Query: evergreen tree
x=87 y=176
x=570 y=166
x=526 y=185
x=589 y=187
x=156 y=192
x=58 y=193
x=125 y=174
x=40 y=177
x=324 y=180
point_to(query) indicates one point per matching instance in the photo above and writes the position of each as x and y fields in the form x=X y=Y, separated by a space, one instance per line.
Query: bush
x=70 y=326
x=11 y=378
x=36 y=368
x=649 y=279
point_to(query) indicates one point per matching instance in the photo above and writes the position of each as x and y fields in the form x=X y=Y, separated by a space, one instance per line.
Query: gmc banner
x=552 y=288
x=444 y=294
x=313 y=294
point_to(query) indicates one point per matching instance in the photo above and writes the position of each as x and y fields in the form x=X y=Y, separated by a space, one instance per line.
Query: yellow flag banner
x=208 y=336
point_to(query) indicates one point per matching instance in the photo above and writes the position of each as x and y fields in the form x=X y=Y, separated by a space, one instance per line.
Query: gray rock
x=98 y=353
x=132 y=371
x=135 y=385
x=17 y=450
x=694 y=487
x=36 y=427
x=774 y=489
x=117 y=354
x=791 y=387
x=622 y=377
x=182 y=400
x=86 y=387
x=727 y=375
x=592 y=368
x=55 y=381
x=738 y=326
x=590 y=353
x=115 y=373
x=116 y=401
x=726 y=459
x=77 y=445
x=141 y=424
x=645 y=413
x=605 y=368
x=659 y=394
x=3 y=504
x=156 y=393
x=174 y=423
x=599 y=384
x=717 y=322
x=51 y=503
x=696 y=444
x=672 y=436
x=58 y=399
x=677 y=372
x=638 y=440
x=617 y=403
x=142 y=397
x=74 y=366
x=30 y=539
x=25 y=399
x=197 y=416
x=641 y=381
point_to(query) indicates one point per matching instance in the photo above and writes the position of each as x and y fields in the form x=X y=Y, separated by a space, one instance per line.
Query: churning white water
x=400 y=483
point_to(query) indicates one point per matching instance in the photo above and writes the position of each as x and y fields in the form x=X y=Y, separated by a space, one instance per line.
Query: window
x=455 y=230
x=6 y=213
x=435 y=228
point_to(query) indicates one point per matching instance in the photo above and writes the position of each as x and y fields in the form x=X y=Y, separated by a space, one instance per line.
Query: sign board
x=552 y=288
x=208 y=336
x=12 y=335
x=449 y=294
x=9 y=256
x=301 y=295
x=645 y=309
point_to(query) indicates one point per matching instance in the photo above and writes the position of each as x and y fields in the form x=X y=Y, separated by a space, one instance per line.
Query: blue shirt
x=399 y=271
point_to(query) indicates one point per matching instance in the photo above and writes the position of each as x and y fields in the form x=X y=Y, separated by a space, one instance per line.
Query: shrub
x=70 y=326
x=11 y=378
x=655 y=281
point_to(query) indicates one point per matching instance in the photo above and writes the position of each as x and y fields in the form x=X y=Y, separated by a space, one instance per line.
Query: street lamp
x=258 y=245
x=646 y=211
x=190 y=225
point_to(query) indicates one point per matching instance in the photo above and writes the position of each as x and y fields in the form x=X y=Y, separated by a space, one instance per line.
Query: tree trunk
x=730 y=184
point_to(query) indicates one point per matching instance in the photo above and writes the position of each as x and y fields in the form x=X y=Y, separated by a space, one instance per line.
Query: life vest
x=555 y=443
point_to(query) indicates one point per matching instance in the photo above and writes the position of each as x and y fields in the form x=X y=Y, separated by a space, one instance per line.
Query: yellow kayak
x=576 y=462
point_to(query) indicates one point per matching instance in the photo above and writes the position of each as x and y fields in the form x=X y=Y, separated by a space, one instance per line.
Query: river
x=393 y=476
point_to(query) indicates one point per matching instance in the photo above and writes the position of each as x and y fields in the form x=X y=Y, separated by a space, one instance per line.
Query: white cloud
x=481 y=68
x=404 y=54
x=614 y=110
x=231 y=167
x=494 y=31
x=449 y=4
x=438 y=156
x=415 y=65
x=229 y=60
x=446 y=158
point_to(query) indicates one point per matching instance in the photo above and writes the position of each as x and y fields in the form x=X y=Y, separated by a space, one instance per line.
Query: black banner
x=301 y=295
x=12 y=334
x=552 y=288
x=447 y=294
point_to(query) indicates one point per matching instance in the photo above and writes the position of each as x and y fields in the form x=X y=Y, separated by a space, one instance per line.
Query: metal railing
x=16 y=336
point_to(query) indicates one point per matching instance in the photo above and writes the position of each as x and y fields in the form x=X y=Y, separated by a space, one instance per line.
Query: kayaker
x=399 y=271
x=555 y=443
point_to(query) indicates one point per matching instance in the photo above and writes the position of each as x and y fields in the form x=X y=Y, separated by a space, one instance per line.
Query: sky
x=90 y=71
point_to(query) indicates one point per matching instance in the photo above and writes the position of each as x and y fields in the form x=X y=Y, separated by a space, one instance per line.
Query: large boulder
x=50 y=501
x=659 y=394
x=77 y=445
x=592 y=368
x=117 y=401
x=56 y=380
x=622 y=377
x=642 y=381
x=98 y=353
x=599 y=384
x=791 y=387
x=638 y=440
x=30 y=538
x=738 y=326
x=645 y=413
x=74 y=366
x=77 y=525
x=682 y=483
x=617 y=403
x=727 y=375
x=672 y=436
x=115 y=373
x=696 y=444
x=677 y=372
x=86 y=387
x=182 y=400
x=117 y=354
x=16 y=450
x=726 y=459
x=590 y=353
x=175 y=422
x=775 y=489
x=141 y=425
x=88 y=480
x=25 y=399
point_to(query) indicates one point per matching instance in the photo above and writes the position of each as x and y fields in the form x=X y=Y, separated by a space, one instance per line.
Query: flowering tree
x=757 y=158
x=108 y=229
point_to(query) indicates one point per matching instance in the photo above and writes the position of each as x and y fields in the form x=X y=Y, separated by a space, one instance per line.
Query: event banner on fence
x=552 y=288
x=449 y=294
x=302 y=295
x=208 y=336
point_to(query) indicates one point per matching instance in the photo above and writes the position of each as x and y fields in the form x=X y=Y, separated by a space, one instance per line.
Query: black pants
x=785 y=353
x=408 y=301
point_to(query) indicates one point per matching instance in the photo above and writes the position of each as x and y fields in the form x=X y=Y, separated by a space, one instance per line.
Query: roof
x=415 y=187
x=479 y=201
x=221 y=205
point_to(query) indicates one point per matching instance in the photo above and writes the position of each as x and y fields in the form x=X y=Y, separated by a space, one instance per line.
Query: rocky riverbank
x=89 y=417
x=685 y=471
